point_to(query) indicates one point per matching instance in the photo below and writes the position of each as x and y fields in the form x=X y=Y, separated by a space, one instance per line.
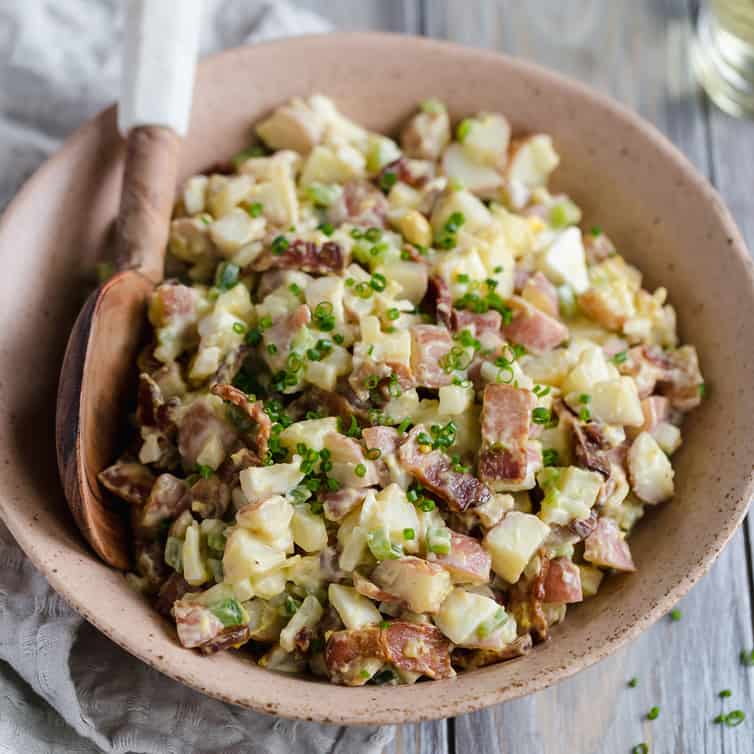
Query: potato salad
x=399 y=408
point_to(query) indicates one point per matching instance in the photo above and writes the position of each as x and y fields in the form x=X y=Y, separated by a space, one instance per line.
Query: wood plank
x=382 y=15
x=423 y=738
x=637 y=53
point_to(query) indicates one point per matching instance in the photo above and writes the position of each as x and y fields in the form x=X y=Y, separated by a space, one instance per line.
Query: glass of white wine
x=723 y=54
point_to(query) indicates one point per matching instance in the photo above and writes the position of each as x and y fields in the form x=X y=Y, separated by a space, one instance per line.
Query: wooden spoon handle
x=149 y=182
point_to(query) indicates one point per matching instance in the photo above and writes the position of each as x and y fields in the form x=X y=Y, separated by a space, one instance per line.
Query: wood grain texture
x=637 y=52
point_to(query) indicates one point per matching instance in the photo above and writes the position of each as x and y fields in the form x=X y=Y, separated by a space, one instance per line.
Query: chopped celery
x=216 y=539
x=229 y=612
x=322 y=194
x=489 y=626
x=173 y=549
x=564 y=213
x=438 y=540
x=381 y=547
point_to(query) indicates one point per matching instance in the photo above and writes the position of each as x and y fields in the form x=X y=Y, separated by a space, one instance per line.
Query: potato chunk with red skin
x=467 y=562
x=421 y=584
x=353 y=656
x=563 y=582
x=606 y=547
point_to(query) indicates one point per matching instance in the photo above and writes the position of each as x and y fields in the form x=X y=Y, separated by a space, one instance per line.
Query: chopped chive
x=205 y=472
x=633 y=683
x=541 y=415
x=279 y=245
x=327 y=228
x=735 y=718
x=373 y=453
x=747 y=658
x=653 y=714
x=272 y=349
x=255 y=209
x=641 y=748
x=584 y=398
x=239 y=327
x=393 y=313
x=360 y=470
x=725 y=693
x=675 y=615
x=619 y=357
x=409 y=534
x=384 y=624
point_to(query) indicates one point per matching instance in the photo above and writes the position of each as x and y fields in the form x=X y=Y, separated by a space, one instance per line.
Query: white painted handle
x=159 y=59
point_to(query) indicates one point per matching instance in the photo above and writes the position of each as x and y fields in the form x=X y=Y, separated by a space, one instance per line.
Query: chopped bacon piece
x=171 y=591
x=506 y=421
x=385 y=439
x=563 y=582
x=656 y=410
x=490 y=321
x=470 y=659
x=533 y=329
x=167 y=500
x=196 y=624
x=417 y=648
x=606 y=547
x=333 y=404
x=434 y=470
x=540 y=292
x=229 y=637
x=349 y=652
x=438 y=300
x=583 y=527
x=198 y=425
x=527 y=597
x=467 y=562
x=361 y=203
x=210 y=497
x=337 y=505
x=681 y=380
x=305 y=256
x=590 y=449
x=253 y=412
x=131 y=482
x=430 y=344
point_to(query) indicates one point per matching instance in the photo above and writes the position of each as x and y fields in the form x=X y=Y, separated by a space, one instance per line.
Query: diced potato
x=269 y=519
x=355 y=610
x=570 y=493
x=311 y=432
x=492 y=511
x=194 y=568
x=306 y=617
x=466 y=262
x=293 y=126
x=309 y=531
x=224 y=193
x=280 y=661
x=277 y=197
x=380 y=152
x=327 y=164
x=195 y=193
x=513 y=542
x=550 y=368
x=476 y=215
x=410 y=276
x=354 y=549
x=668 y=437
x=265 y=620
x=486 y=139
x=426 y=134
x=475 y=177
x=564 y=261
x=395 y=347
x=650 y=470
x=591 y=578
x=610 y=299
x=497 y=257
x=390 y=509
x=305 y=572
x=246 y=555
x=269 y=584
x=260 y=482
x=591 y=367
x=468 y=619
x=235 y=229
x=421 y=584
x=531 y=161
x=455 y=399
x=613 y=402
x=414 y=227
x=517 y=231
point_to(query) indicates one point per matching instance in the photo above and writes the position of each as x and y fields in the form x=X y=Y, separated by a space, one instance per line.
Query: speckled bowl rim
x=380 y=710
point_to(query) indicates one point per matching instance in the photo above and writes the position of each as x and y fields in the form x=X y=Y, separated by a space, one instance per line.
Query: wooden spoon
x=160 y=53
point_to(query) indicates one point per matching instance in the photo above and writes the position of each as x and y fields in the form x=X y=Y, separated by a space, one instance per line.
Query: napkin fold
x=64 y=687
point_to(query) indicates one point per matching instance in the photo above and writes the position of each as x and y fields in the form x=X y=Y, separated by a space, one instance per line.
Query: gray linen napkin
x=59 y=64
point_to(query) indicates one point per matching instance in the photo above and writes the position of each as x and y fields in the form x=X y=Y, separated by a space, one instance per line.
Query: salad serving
x=398 y=409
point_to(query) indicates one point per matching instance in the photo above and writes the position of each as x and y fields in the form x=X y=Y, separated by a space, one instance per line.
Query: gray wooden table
x=637 y=51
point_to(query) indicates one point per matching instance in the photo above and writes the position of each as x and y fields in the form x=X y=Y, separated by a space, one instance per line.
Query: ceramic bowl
x=664 y=217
